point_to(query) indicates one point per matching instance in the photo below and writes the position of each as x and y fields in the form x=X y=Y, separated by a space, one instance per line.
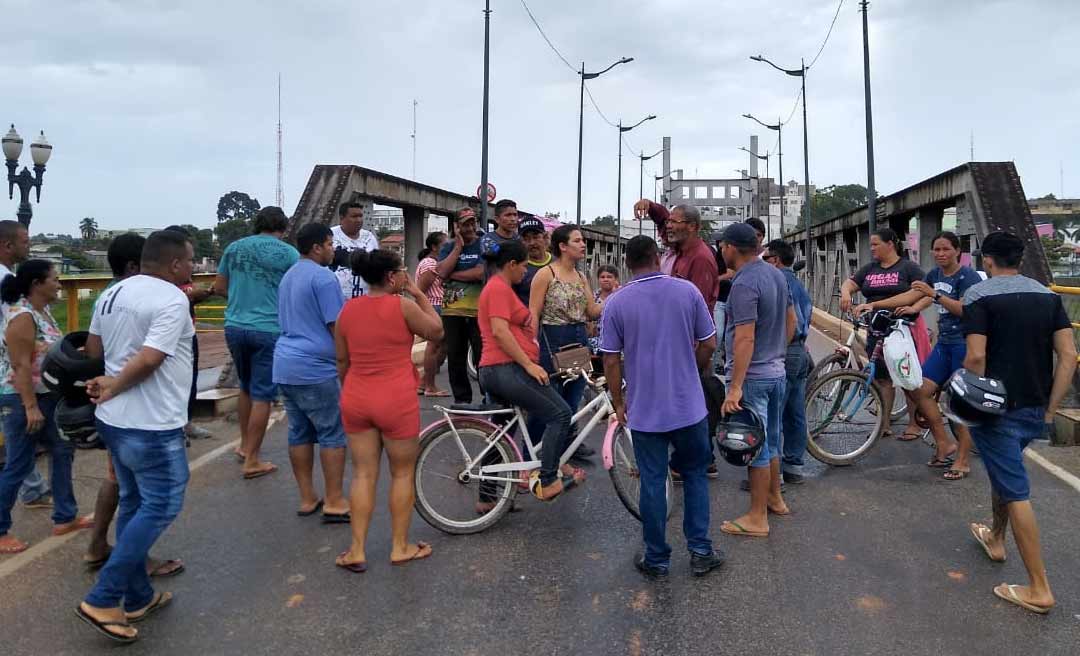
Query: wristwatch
x=937 y=297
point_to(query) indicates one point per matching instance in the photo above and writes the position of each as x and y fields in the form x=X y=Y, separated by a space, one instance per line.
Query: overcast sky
x=155 y=109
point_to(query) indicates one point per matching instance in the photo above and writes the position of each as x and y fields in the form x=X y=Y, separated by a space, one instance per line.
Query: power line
x=597 y=107
x=794 y=107
x=546 y=39
x=831 y=25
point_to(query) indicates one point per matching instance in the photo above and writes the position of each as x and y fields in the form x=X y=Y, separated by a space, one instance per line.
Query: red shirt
x=499 y=300
x=697 y=264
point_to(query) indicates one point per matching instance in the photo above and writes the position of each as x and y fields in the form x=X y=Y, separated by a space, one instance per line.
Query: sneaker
x=712 y=472
x=793 y=478
x=700 y=565
x=744 y=485
x=650 y=571
x=44 y=502
x=197 y=432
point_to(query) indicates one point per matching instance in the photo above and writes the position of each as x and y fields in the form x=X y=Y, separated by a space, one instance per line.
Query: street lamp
x=768 y=189
x=581 y=121
x=641 y=179
x=801 y=73
x=40 y=150
x=656 y=178
x=779 y=129
x=484 y=135
x=618 y=190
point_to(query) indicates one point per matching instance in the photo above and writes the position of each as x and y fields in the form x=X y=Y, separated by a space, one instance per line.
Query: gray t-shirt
x=759 y=295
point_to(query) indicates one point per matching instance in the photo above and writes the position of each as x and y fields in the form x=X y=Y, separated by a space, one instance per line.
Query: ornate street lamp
x=40 y=150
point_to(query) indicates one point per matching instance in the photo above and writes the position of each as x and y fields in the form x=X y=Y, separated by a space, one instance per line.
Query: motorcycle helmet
x=76 y=424
x=973 y=400
x=740 y=436
x=66 y=370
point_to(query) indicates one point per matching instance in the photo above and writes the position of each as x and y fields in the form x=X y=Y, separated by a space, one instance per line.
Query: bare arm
x=1065 y=348
x=703 y=353
x=846 y=290
x=954 y=306
x=426 y=280
x=94 y=349
x=613 y=374
x=140 y=367
x=221 y=285
x=592 y=308
x=744 y=352
x=446 y=265
x=341 y=348
x=975 y=360
x=422 y=319
x=20 y=336
x=537 y=293
x=790 y=323
x=475 y=274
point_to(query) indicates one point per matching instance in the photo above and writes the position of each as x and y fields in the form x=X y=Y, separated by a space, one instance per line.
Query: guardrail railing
x=95 y=283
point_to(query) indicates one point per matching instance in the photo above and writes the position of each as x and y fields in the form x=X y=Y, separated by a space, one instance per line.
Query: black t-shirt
x=878 y=283
x=1019 y=317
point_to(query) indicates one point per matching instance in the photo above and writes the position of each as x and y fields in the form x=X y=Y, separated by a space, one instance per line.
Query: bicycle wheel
x=470 y=365
x=826 y=366
x=448 y=493
x=625 y=476
x=843 y=417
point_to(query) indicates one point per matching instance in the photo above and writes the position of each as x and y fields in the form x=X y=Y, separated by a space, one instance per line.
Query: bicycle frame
x=600 y=408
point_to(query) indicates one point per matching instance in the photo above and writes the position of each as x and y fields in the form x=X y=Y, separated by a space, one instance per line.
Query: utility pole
x=806 y=192
x=414 y=102
x=279 y=195
x=484 y=137
x=871 y=192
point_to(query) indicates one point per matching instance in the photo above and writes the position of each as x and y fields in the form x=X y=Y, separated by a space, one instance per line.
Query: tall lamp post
x=618 y=188
x=484 y=137
x=656 y=178
x=40 y=150
x=768 y=189
x=801 y=73
x=641 y=180
x=871 y=193
x=581 y=121
x=779 y=129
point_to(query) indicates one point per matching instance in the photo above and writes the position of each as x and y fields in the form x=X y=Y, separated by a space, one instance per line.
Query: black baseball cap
x=740 y=235
x=531 y=224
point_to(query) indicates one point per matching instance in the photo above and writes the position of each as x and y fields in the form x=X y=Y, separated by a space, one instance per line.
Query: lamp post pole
x=40 y=150
x=581 y=122
x=618 y=187
x=641 y=182
x=484 y=137
x=765 y=157
x=779 y=129
x=871 y=193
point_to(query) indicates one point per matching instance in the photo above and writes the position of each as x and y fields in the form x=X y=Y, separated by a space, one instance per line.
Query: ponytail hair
x=374 y=266
x=17 y=286
x=432 y=241
x=889 y=235
x=508 y=251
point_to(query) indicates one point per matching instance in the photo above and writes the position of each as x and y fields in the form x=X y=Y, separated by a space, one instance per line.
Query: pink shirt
x=435 y=291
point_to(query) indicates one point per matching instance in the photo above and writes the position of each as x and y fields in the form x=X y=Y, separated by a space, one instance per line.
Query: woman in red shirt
x=374 y=335
x=510 y=370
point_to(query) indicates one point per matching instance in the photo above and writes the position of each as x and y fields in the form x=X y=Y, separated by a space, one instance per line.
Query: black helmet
x=66 y=369
x=76 y=424
x=740 y=437
x=973 y=400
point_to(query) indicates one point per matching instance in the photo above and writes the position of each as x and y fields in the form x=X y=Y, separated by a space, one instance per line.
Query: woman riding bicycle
x=945 y=286
x=885 y=283
x=510 y=369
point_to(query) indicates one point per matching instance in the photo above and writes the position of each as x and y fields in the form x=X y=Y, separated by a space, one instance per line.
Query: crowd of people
x=329 y=325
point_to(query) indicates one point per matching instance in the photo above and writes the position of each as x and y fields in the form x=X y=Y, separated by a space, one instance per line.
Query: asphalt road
x=876 y=559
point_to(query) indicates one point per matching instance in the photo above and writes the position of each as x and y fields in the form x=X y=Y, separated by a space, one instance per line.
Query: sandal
x=11 y=545
x=103 y=627
x=734 y=528
x=356 y=568
x=980 y=532
x=1008 y=593
x=909 y=437
x=167 y=568
x=941 y=463
x=423 y=550
x=78 y=524
x=160 y=600
x=955 y=475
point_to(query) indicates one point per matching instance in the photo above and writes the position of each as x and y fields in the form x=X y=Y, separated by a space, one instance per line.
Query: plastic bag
x=902 y=359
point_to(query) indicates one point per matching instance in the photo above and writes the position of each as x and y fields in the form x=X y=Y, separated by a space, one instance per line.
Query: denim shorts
x=766 y=398
x=943 y=361
x=314 y=413
x=1001 y=446
x=253 y=356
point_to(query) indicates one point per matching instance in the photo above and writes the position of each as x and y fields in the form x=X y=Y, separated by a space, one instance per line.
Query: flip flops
x=103 y=627
x=423 y=550
x=168 y=568
x=955 y=474
x=79 y=524
x=734 y=528
x=1008 y=593
x=941 y=463
x=355 y=568
x=260 y=473
x=336 y=518
x=13 y=546
x=980 y=532
x=160 y=600
x=314 y=509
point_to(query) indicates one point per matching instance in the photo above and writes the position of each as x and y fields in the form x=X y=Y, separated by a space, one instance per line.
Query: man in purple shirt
x=760 y=323
x=662 y=329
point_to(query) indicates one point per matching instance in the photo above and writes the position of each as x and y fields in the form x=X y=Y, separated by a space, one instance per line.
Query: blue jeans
x=766 y=398
x=314 y=413
x=152 y=470
x=794 y=433
x=691 y=456
x=20 y=459
x=252 y=352
x=33 y=487
x=1001 y=446
x=510 y=383
x=572 y=391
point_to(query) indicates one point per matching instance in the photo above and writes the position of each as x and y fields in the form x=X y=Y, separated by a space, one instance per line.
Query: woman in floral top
x=26 y=405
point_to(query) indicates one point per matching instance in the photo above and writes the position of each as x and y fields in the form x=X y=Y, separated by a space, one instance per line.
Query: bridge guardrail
x=71 y=287
x=1070 y=297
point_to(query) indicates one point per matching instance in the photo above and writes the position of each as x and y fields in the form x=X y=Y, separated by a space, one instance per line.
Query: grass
x=86 y=306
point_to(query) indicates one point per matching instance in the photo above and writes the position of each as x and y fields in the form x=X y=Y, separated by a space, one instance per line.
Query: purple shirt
x=656 y=321
x=759 y=295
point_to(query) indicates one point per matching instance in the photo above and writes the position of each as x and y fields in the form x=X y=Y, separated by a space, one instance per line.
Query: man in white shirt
x=349 y=235
x=142 y=329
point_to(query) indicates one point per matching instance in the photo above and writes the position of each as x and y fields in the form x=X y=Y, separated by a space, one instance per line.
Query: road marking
x=52 y=543
x=1066 y=477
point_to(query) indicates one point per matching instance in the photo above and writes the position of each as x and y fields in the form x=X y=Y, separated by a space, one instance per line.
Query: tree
x=834 y=200
x=235 y=214
x=606 y=223
x=1055 y=249
x=88 y=227
x=202 y=240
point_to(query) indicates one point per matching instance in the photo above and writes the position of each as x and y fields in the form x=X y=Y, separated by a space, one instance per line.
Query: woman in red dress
x=374 y=335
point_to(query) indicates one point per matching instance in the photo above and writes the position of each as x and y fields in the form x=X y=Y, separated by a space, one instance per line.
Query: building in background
x=793 y=198
x=391 y=219
x=394 y=243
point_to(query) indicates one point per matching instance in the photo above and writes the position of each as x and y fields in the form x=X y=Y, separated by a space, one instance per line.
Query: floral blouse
x=46 y=333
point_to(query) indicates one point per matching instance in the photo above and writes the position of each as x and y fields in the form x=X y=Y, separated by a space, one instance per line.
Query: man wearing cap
x=534 y=237
x=760 y=324
x=462 y=270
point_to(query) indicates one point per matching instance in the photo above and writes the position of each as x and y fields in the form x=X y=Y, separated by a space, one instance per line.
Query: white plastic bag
x=902 y=359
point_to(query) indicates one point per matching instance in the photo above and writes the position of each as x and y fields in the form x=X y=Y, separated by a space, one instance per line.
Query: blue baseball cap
x=740 y=235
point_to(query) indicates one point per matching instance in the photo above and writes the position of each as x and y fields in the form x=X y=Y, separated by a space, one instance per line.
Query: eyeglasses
x=678 y=222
